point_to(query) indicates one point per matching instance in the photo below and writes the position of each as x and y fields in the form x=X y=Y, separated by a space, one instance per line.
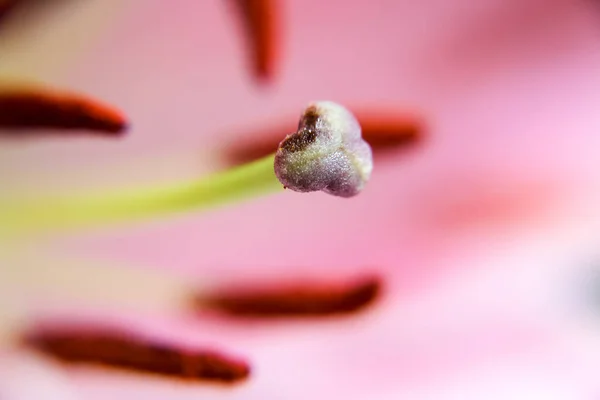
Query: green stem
x=252 y=179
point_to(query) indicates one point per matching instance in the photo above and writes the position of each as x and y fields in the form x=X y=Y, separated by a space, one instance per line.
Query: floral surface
x=486 y=231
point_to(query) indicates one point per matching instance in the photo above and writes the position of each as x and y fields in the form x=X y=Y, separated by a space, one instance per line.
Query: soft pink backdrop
x=481 y=230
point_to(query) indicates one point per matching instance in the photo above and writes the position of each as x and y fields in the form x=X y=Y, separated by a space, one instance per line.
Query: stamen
x=6 y=7
x=38 y=107
x=118 y=350
x=384 y=130
x=388 y=130
x=307 y=299
x=260 y=20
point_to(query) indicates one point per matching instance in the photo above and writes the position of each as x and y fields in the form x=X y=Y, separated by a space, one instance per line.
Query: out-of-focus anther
x=384 y=130
x=23 y=108
x=293 y=299
x=115 y=349
x=261 y=22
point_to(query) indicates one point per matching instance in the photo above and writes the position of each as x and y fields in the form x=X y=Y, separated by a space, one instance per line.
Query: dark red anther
x=261 y=24
x=385 y=129
x=307 y=299
x=382 y=129
x=6 y=6
x=118 y=350
x=37 y=108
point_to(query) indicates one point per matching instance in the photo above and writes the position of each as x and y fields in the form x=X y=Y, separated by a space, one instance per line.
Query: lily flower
x=483 y=242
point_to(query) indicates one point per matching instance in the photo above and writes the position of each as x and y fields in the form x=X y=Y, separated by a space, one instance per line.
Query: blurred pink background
x=484 y=231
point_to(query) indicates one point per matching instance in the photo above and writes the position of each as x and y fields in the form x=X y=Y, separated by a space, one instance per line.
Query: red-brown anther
x=260 y=19
x=115 y=349
x=309 y=299
x=27 y=108
x=6 y=6
x=383 y=130
x=388 y=130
